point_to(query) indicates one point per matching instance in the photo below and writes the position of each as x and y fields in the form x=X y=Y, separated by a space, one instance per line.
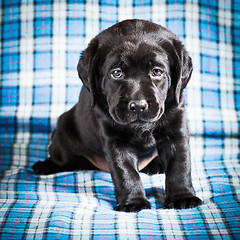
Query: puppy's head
x=135 y=67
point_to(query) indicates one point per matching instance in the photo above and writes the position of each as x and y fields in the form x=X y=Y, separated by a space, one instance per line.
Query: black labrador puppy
x=130 y=116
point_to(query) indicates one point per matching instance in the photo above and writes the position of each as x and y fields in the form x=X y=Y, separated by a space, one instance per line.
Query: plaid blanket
x=41 y=42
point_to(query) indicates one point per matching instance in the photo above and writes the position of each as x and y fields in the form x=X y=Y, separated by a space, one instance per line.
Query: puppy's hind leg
x=49 y=167
x=46 y=167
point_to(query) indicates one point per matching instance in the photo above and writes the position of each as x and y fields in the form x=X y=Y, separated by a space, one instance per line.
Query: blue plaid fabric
x=41 y=42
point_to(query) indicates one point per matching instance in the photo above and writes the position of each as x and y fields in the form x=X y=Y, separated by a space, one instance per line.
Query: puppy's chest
x=145 y=146
x=143 y=139
x=146 y=153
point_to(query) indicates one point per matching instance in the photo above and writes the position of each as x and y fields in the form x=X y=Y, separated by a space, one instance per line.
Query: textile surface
x=41 y=42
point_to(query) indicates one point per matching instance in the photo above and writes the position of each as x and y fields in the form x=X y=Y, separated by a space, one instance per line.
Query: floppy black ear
x=87 y=68
x=184 y=72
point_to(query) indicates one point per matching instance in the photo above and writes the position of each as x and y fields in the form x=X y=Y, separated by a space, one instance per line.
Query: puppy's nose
x=138 y=106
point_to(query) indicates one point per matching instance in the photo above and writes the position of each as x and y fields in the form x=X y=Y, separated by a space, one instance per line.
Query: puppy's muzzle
x=142 y=110
x=138 y=107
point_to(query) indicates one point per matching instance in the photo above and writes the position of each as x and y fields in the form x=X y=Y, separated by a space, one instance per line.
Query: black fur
x=131 y=108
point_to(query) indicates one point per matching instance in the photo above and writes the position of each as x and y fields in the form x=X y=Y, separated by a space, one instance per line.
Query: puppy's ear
x=87 y=68
x=185 y=75
x=183 y=71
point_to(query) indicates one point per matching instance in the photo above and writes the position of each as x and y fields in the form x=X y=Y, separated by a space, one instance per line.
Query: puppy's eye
x=156 y=72
x=117 y=73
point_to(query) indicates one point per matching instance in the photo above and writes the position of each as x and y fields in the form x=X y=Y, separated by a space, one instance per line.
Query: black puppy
x=130 y=116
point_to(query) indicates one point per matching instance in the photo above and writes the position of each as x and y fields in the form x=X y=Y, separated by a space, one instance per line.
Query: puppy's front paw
x=183 y=202
x=135 y=206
